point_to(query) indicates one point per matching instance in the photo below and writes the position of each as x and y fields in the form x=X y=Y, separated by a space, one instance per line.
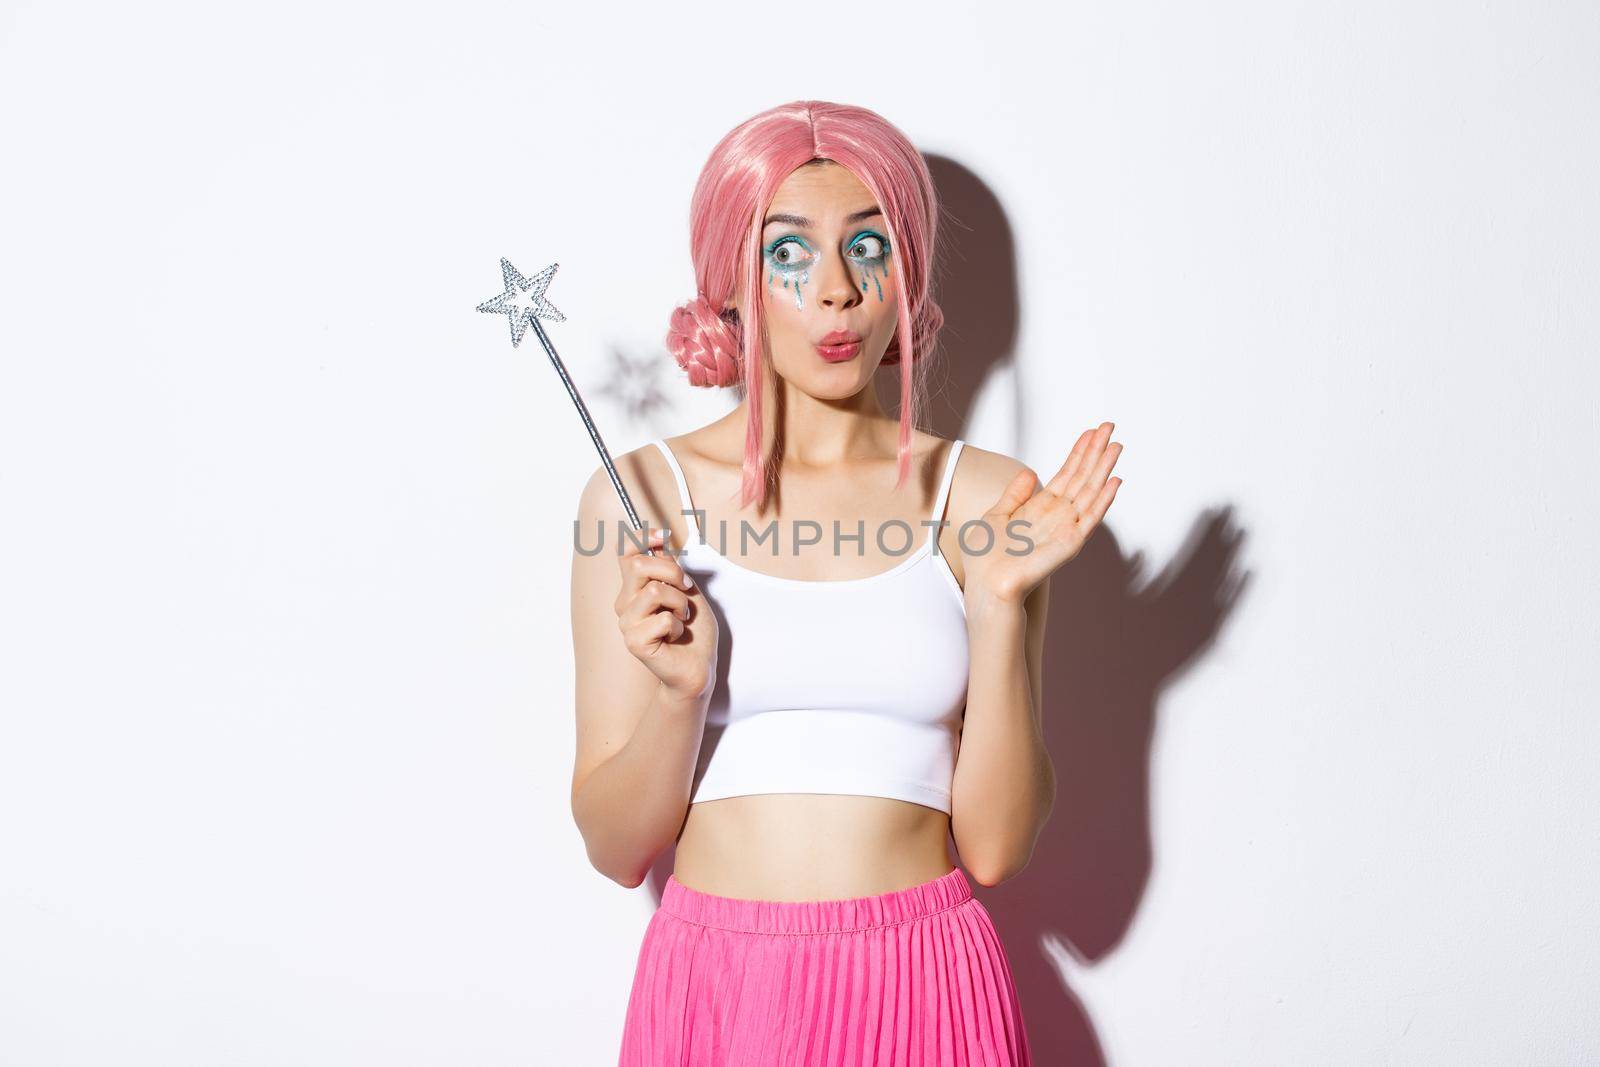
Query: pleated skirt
x=916 y=977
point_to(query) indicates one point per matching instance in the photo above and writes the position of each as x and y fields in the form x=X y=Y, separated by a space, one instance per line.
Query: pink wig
x=735 y=187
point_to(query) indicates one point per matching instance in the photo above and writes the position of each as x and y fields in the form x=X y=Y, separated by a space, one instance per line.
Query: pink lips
x=839 y=345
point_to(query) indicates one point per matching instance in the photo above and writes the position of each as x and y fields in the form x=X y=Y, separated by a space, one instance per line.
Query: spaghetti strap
x=944 y=492
x=683 y=485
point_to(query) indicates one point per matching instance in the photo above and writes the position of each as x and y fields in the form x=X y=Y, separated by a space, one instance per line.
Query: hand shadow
x=1115 y=640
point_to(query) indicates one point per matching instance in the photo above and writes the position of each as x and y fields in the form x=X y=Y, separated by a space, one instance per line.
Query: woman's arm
x=1005 y=784
x=638 y=736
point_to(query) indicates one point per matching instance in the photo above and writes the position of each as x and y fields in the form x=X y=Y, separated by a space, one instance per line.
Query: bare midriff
x=811 y=846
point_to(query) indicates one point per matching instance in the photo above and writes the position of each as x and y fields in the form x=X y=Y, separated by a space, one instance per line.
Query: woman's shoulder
x=981 y=475
x=985 y=462
x=644 y=473
x=718 y=443
x=647 y=475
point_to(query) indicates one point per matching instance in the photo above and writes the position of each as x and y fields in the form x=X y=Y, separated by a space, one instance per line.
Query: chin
x=829 y=381
x=836 y=386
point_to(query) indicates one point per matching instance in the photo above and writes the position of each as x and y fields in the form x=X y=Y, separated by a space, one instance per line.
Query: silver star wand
x=524 y=304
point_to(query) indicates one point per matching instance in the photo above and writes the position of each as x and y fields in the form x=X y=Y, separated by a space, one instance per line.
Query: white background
x=286 y=678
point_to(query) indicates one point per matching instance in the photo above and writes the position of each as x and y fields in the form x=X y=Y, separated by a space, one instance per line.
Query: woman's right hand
x=665 y=619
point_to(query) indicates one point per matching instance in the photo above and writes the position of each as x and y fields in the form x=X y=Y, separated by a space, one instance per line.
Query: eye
x=789 y=252
x=870 y=246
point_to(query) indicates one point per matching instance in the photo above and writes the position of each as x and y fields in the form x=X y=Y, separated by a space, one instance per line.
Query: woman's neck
x=811 y=432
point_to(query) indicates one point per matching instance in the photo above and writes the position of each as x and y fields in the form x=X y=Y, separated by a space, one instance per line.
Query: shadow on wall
x=1116 y=639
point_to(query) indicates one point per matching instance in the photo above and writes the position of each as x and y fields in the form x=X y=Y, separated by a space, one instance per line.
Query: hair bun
x=704 y=343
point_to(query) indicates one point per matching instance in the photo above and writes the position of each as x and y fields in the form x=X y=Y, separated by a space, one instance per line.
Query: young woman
x=812 y=719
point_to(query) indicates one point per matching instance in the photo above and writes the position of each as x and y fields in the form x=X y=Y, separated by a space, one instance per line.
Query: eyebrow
x=805 y=223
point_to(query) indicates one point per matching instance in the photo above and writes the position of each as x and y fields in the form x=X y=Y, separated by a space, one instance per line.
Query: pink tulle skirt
x=916 y=977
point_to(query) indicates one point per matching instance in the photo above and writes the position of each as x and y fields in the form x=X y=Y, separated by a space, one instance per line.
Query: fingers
x=1096 y=479
x=1069 y=467
x=1093 y=464
x=628 y=543
x=638 y=568
x=645 y=637
x=1092 y=488
x=654 y=598
x=663 y=627
x=653 y=605
x=1097 y=510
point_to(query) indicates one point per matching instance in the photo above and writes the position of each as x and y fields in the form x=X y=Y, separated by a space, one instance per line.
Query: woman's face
x=825 y=272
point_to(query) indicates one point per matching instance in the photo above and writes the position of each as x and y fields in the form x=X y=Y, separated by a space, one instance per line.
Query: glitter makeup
x=792 y=258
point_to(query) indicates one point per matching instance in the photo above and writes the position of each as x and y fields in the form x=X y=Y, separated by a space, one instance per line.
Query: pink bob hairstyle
x=731 y=196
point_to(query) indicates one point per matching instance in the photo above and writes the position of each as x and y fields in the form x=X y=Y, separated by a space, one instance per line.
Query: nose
x=837 y=287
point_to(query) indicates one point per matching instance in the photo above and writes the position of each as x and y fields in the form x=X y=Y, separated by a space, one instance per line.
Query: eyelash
x=772 y=249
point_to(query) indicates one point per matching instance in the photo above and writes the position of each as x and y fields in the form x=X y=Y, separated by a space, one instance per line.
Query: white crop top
x=852 y=685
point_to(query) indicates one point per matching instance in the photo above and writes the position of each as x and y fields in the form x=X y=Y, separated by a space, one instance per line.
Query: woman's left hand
x=1057 y=519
